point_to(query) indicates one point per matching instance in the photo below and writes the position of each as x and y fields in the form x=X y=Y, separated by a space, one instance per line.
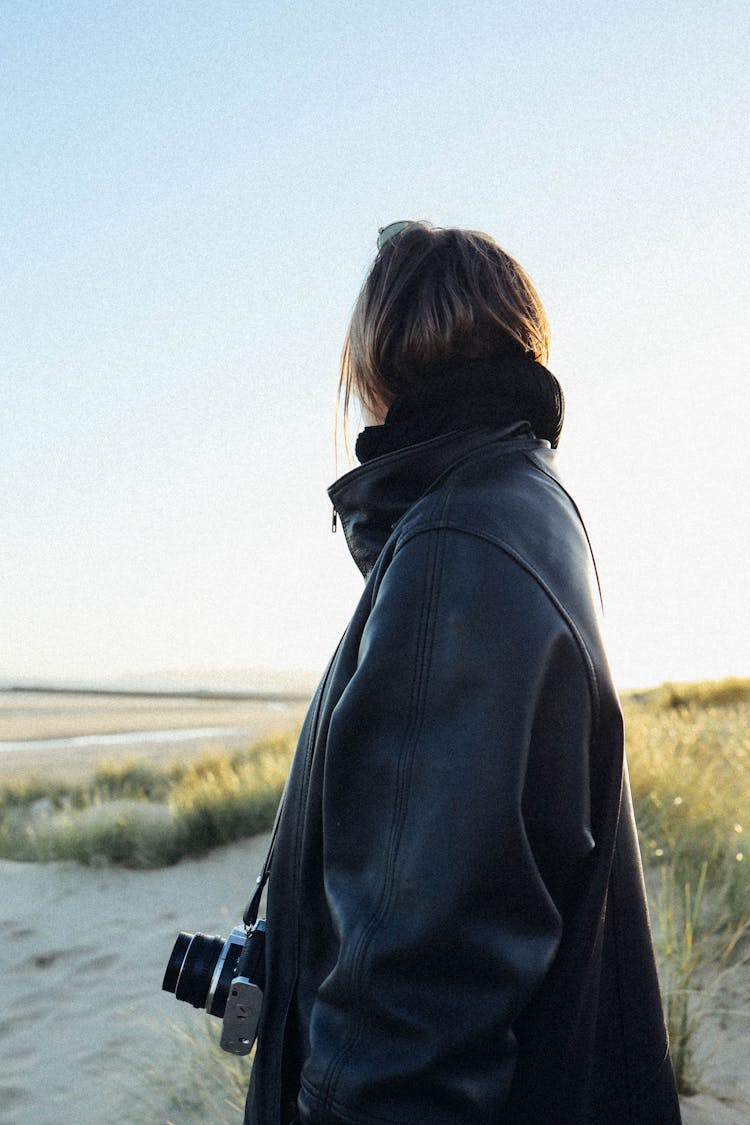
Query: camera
x=224 y=976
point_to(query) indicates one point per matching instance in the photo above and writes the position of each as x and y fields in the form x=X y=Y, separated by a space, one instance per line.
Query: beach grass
x=689 y=755
x=142 y=815
x=204 y=1084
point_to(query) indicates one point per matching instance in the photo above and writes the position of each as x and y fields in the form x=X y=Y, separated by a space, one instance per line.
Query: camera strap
x=250 y=916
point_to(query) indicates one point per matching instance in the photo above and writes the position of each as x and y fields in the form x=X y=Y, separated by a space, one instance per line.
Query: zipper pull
x=334 y=521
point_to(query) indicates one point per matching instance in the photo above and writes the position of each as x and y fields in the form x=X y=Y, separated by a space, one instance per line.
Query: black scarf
x=467 y=394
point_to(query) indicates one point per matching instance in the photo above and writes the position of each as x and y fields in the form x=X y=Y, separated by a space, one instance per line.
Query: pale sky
x=190 y=199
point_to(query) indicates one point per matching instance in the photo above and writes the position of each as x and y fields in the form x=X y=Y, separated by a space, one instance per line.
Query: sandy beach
x=86 y=1034
x=53 y=718
x=89 y=1038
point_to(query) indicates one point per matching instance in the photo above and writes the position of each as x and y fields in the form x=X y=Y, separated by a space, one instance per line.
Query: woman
x=457 y=929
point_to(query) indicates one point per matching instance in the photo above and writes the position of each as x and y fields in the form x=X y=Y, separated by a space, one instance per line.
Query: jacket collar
x=370 y=500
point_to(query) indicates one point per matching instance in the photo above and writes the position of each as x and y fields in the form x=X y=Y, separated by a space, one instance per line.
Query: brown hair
x=433 y=293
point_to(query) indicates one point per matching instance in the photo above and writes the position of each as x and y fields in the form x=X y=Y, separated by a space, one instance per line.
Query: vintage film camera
x=226 y=977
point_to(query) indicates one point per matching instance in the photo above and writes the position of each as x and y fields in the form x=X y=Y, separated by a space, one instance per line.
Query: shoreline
x=62 y=715
x=117 y=738
x=34 y=731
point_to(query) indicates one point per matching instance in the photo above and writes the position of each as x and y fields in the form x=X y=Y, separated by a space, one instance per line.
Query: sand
x=88 y=1037
x=50 y=716
x=85 y=1030
x=33 y=715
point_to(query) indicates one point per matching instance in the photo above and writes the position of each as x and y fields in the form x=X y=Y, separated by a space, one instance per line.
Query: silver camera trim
x=241 y=1017
x=238 y=936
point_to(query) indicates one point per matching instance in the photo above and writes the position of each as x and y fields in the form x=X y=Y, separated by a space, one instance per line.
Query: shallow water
x=134 y=738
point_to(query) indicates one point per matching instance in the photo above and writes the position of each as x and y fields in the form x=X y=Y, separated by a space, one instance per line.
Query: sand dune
x=89 y=1038
x=85 y=1029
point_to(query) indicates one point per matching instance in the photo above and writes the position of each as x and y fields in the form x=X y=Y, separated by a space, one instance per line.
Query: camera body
x=224 y=976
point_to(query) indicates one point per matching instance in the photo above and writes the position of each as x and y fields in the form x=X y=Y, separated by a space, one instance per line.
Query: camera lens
x=171 y=975
x=201 y=969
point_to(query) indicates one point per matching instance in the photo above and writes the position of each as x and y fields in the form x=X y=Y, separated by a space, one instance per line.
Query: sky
x=190 y=197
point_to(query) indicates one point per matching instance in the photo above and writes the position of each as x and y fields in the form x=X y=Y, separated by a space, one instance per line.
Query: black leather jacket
x=457 y=930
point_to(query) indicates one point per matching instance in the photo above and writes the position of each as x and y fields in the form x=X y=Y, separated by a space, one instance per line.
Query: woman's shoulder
x=511 y=492
x=515 y=502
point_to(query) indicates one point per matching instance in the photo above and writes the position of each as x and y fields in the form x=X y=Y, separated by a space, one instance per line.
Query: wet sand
x=27 y=717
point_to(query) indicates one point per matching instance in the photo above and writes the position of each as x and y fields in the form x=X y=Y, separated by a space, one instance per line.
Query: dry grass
x=689 y=753
x=142 y=815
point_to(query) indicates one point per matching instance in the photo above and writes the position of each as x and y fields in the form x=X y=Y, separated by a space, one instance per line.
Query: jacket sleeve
x=455 y=810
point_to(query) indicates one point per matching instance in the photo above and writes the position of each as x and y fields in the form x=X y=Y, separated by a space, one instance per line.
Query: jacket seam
x=524 y=564
x=551 y=476
x=406 y=755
